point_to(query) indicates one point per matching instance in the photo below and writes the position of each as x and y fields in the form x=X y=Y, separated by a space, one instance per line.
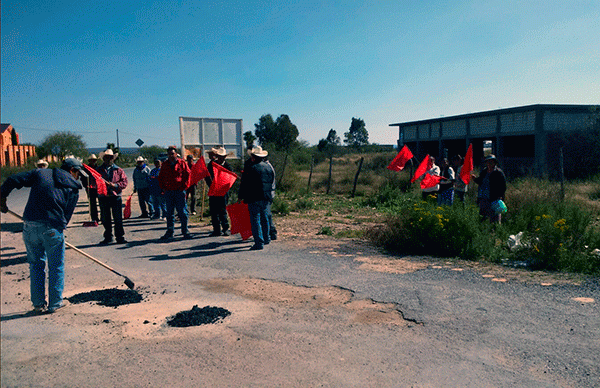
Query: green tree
x=281 y=133
x=286 y=133
x=265 y=129
x=329 y=145
x=63 y=144
x=357 y=135
x=249 y=138
x=150 y=153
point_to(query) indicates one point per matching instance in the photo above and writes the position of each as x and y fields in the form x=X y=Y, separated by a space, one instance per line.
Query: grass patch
x=326 y=230
x=350 y=234
x=557 y=235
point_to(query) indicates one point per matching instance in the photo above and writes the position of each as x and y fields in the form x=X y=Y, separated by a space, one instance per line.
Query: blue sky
x=92 y=67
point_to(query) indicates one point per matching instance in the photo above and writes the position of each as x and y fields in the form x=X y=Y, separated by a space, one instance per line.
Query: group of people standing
x=55 y=192
x=491 y=181
x=165 y=189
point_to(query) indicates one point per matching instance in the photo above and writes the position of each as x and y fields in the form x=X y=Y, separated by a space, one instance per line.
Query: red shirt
x=174 y=176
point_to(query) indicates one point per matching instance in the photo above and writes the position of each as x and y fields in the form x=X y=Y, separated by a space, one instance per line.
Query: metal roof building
x=523 y=138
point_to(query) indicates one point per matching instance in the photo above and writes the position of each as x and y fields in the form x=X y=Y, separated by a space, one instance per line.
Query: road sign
x=139 y=142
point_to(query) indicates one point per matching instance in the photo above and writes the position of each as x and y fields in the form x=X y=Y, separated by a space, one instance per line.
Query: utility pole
x=118 y=139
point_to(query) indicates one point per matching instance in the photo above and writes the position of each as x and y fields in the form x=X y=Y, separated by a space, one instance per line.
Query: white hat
x=220 y=151
x=92 y=157
x=258 y=151
x=109 y=152
x=42 y=162
x=140 y=159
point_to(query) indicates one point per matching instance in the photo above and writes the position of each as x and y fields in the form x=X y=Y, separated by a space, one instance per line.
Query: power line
x=17 y=126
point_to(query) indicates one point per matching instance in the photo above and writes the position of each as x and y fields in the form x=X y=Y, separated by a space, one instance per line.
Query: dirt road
x=307 y=311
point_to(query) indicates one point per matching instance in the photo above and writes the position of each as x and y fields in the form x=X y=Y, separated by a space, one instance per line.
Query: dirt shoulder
x=307 y=228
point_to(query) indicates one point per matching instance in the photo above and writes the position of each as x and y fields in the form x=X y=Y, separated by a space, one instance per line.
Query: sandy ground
x=310 y=310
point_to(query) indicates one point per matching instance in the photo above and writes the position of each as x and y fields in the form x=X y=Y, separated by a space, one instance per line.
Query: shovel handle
x=73 y=247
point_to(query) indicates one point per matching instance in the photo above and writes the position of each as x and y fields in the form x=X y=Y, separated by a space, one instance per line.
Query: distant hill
x=123 y=150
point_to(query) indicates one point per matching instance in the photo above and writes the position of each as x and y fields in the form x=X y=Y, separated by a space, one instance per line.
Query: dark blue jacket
x=53 y=196
x=257 y=182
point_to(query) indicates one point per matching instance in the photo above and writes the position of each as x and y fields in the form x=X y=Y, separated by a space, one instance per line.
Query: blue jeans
x=259 y=221
x=176 y=200
x=144 y=200
x=446 y=197
x=159 y=205
x=44 y=243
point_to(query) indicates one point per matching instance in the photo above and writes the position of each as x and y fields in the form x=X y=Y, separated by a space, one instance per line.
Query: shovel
x=128 y=281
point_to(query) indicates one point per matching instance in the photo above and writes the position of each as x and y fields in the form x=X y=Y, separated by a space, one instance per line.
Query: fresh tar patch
x=198 y=316
x=112 y=297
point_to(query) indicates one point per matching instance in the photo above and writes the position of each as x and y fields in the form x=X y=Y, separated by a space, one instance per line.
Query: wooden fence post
x=329 y=180
x=312 y=163
x=356 y=176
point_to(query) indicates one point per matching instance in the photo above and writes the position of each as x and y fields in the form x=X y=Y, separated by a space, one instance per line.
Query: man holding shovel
x=52 y=200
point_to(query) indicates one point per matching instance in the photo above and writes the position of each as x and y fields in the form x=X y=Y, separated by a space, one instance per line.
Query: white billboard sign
x=200 y=134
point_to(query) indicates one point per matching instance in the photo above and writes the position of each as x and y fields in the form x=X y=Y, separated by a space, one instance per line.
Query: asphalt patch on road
x=111 y=297
x=198 y=316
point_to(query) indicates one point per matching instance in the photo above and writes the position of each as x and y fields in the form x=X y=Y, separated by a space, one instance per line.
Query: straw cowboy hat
x=140 y=159
x=108 y=152
x=219 y=151
x=42 y=162
x=92 y=157
x=258 y=151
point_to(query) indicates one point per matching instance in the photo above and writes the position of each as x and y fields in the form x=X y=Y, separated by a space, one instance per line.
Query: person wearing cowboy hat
x=42 y=164
x=173 y=178
x=492 y=187
x=256 y=190
x=52 y=200
x=141 y=185
x=218 y=205
x=111 y=204
x=190 y=193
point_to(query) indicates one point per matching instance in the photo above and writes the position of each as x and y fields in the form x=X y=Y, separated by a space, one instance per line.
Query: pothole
x=111 y=297
x=281 y=293
x=364 y=311
x=198 y=316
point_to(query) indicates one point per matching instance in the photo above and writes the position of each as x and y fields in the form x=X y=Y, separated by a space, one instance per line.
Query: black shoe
x=106 y=241
x=121 y=241
x=256 y=247
x=167 y=236
x=215 y=234
x=273 y=237
x=187 y=236
x=226 y=233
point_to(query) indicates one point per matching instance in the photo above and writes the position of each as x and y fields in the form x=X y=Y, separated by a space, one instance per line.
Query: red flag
x=422 y=169
x=467 y=167
x=198 y=172
x=430 y=181
x=127 y=210
x=222 y=182
x=240 y=219
x=100 y=183
x=400 y=160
